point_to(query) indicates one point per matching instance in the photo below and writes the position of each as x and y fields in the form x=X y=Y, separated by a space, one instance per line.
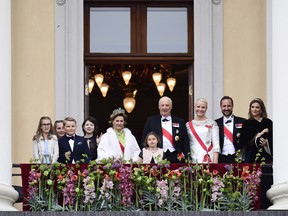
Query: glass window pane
x=110 y=30
x=167 y=30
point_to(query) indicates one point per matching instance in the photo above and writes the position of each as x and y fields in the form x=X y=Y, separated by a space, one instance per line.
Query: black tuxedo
x=237 y=126
x=179 y=134
x=80 y=147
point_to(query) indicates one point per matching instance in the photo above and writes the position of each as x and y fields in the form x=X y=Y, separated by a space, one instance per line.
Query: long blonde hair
x=39 y=132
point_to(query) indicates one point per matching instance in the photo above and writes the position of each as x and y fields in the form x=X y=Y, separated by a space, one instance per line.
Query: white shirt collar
x=231 y=118
x=168 y=118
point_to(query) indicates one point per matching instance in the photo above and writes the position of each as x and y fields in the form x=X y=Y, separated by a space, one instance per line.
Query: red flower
x=74 y=177
x=215 y=172
x=146 y=169
x=118 y=176
x=39 y=175
x=60 y=177
x=246 y=169
x=244 y=175
x=207 y=171
x=245 y=172
x=177 y=172
x=154 y=172
x=174 y=173
x=180 y=156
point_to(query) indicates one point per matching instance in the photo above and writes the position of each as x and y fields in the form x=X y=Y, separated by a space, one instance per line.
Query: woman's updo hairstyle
x=116 y=113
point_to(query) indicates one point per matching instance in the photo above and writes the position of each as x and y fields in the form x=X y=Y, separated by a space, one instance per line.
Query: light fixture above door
x=131 y=78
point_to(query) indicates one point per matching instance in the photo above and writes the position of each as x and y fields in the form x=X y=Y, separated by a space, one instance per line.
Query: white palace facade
x=239 y=49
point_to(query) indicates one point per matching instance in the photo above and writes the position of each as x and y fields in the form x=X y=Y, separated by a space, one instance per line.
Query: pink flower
x=126 y=185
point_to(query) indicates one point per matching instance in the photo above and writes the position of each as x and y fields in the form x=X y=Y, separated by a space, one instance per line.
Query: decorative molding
x=60 y=2
x=216 y=2
x=278 y=196
x=8 y=196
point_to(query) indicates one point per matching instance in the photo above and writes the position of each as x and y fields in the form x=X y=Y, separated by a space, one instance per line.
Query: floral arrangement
x=115 y=185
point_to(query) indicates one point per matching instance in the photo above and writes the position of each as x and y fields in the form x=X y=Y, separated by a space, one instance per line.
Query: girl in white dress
x=203 y=135
x=151 y=153
x=45 y=143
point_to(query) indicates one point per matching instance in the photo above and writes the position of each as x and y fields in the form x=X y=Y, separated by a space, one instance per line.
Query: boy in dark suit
x=172 y=131
x=72 y=147
x=229 y=131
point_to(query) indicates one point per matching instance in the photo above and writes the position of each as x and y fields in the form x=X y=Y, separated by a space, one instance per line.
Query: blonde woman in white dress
x=203 y=135
x=45 y=143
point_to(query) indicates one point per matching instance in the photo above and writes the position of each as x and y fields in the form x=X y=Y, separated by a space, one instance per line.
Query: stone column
x=69 y=60
x=8 y=195
x=208 y=50
x=278 y=194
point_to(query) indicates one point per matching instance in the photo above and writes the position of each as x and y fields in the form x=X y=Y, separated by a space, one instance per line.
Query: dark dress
x=250 y=129
x=92 y=146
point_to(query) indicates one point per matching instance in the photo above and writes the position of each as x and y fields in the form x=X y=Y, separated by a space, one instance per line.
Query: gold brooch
x=177 y=138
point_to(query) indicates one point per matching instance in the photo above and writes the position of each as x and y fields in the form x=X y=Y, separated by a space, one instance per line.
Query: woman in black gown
x=257 y=133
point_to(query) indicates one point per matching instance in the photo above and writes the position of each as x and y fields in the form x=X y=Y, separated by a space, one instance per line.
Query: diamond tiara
x=117 y=112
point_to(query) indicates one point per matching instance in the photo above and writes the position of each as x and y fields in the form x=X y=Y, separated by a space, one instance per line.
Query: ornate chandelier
x=130 y=78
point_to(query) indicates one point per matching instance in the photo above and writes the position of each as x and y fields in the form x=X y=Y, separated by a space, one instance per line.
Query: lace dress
x=208 y=132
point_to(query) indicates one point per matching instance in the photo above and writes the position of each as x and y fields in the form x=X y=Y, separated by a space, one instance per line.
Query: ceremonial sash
x=168 y=136
x=122 y=147
x=228 y=134
x=206 y=157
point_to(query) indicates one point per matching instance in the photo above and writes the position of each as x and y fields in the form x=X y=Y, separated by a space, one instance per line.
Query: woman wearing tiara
x=118 y=141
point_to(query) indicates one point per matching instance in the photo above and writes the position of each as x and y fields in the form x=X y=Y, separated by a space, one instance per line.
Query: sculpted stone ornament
x=216 y=2
x=60 y=2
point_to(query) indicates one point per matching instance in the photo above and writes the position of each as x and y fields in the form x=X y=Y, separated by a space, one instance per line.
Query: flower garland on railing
x=115 y=185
